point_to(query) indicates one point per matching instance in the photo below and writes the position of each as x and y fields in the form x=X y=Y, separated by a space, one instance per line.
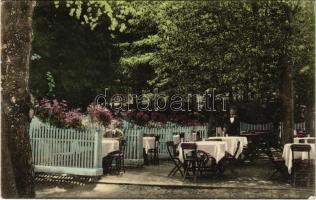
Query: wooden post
x=97 y=149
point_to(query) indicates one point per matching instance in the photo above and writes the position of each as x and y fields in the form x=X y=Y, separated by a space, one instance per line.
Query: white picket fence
x=68 y=151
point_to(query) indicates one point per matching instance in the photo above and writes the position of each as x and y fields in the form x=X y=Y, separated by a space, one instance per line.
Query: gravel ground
x=250 y=181
x=91 y=190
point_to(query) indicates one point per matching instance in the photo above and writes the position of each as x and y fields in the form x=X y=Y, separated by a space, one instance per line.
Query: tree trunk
x=17 y=174
x=287 y=101
x=310 y=119
x=211 y=124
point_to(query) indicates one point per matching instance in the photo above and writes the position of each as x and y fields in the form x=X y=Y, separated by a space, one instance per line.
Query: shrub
x=57 y=113
x=99 y=113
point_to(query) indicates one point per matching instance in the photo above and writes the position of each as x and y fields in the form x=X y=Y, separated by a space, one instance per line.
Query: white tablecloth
x=194 y=136
x=287 y=155
x=148 y=143
x=232 y=143
x=296 y=140
x=109 y=145
x=215 y=148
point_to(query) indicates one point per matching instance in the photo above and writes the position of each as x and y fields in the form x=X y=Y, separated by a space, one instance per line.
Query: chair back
x=123 y=144
x=214 y=139
x=171 y=149
x=149 y=135
x=301 y=141
x=198 y=136
x=188 y=146
x=237 y=149
x=157 y=138
x=181 y=136
x=300 y=148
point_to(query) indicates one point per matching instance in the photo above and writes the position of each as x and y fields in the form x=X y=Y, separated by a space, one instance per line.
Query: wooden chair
x=202 y=163
x=154 y=153
x=300 y=167
x=278 y=163
x=181 y=136
x=230 y=161
x=106 y=164
x=118 y=158
x=190 y=160
x=198 y=136
x=178 y=165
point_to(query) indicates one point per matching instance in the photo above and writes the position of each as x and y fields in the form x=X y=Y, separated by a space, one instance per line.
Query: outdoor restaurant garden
x=158 y=99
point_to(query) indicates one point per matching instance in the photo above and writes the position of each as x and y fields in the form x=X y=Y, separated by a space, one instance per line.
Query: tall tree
x=246 y=49
x=82 y=61
x=16 y=172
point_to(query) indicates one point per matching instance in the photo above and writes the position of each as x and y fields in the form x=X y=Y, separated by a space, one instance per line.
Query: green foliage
x=50 y=83
x=237 y=47
x=83 y=62
x=89 y=12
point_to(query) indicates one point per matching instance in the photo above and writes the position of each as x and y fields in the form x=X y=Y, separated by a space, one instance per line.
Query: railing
x=300 y=125
x=269 y=126
x=69 y=151
x=263 y=126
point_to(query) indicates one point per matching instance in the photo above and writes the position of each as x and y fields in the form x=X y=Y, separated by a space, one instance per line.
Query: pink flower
x=100 y=113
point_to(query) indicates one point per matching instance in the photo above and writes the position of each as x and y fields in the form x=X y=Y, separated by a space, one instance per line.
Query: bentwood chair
x=190 y=159
x=198 y=136
x=278 y=163
x=230 y=161
x=181 y=136
x=178 y=165
x=302 y=170
x=154 y=153
x=118 y=158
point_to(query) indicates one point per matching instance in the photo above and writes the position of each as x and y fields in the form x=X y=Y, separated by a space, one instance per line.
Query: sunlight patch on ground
x=50 y=191
x=108 y=188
